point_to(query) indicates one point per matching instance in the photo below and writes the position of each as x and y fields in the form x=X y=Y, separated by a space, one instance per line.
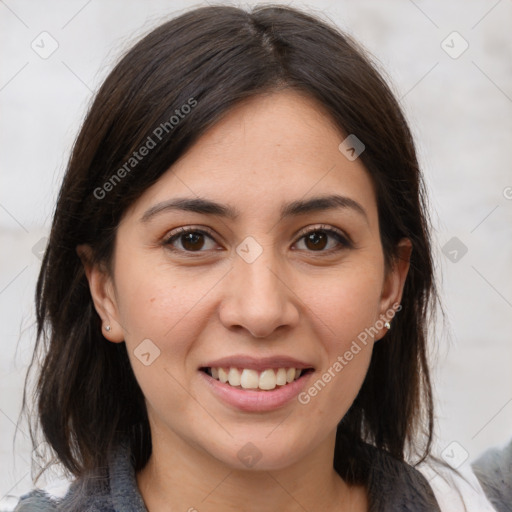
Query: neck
x=180 y=477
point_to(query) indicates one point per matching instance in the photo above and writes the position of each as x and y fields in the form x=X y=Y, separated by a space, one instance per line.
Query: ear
x=394 y=282
x=102 y=293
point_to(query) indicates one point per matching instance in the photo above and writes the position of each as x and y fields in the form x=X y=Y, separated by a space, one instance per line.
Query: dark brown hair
x=215 y=57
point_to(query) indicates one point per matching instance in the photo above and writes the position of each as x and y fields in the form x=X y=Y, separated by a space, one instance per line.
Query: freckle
x=152 y=300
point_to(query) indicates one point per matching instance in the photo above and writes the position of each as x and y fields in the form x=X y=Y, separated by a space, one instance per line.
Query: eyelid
x=186 y=229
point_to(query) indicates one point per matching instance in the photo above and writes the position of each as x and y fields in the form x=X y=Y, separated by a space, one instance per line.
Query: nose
x=258 y=298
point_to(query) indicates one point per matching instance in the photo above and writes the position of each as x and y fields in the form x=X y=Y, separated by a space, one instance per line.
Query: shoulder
x=494 y=472
x=36 y=500
x=76 y=500
x=396 y=485
x=456 y=490
x=109 y=489
x=86 y=494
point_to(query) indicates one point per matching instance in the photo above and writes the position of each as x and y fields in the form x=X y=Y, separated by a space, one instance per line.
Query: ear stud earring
x=108 y=328
x=387 y=325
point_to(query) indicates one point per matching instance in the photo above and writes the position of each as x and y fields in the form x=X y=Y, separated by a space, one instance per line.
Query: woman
x=234 y=299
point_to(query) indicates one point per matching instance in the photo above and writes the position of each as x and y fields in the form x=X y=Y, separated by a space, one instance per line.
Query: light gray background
x=460 y=110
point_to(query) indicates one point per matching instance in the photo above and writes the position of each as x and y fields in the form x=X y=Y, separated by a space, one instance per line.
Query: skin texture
x=295 y=299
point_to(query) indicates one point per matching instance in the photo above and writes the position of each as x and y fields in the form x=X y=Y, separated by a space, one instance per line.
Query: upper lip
x=259 y=364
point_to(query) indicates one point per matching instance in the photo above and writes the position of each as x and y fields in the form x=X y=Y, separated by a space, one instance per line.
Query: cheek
x=159 y=302
x=165 y=307
x=348 y=350
x=343 y=309
x=347 y=302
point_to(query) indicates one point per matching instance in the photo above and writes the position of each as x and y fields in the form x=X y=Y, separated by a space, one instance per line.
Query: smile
x=246 y=378
x=255 y=399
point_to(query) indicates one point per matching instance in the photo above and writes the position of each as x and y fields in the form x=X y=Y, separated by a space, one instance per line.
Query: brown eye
x=320 y=240
x=317 y=240
x=191 y=240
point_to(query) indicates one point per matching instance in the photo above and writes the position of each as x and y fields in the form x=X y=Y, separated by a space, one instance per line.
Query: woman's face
x=291 y=279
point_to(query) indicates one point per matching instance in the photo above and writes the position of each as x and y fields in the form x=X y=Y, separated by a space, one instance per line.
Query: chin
x=261 y=455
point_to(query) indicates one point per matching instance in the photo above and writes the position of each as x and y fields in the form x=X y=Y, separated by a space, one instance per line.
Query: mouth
x=256 y=380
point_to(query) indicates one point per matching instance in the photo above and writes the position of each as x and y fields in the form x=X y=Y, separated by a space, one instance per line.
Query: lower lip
x=256 y=401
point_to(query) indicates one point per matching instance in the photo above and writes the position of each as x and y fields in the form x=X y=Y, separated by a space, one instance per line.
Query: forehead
x=272 y=149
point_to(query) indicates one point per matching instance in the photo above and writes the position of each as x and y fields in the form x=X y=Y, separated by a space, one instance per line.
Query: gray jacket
x=393 y=486
x=494 y=471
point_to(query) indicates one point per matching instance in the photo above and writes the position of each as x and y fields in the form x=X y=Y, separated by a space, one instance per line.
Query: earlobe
x=103 y=296
x=394 y=282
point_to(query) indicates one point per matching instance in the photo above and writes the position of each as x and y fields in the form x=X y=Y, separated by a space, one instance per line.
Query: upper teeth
x=251 y=379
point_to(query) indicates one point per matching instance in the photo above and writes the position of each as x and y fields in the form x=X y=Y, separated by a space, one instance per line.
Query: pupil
x=191 y=240
x=316 y=239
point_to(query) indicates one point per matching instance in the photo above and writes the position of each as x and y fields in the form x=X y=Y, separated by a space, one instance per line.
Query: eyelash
x=338 y=235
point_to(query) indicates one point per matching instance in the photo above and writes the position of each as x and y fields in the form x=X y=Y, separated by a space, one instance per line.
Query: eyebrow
x=292 y=209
